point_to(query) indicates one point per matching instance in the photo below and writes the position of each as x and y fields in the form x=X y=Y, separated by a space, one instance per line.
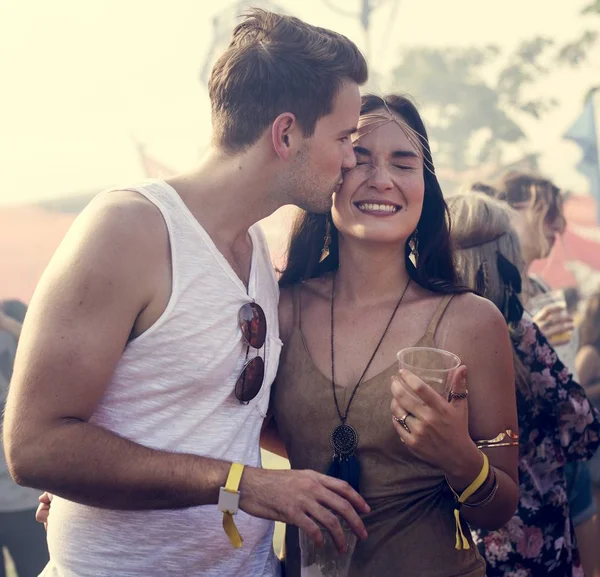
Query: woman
x=371 y=278
x=538 y=201
x=556 y=422
x=587 y=364
x=538 y=221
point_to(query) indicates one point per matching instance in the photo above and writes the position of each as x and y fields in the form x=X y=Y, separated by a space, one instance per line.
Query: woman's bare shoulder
x=471 y=318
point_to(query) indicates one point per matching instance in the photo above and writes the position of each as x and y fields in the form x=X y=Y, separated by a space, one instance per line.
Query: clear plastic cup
x=552 y=298
x=435 y=367
x=326 y=561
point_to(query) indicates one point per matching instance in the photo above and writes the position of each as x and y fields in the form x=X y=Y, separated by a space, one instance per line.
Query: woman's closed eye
x=361 y=162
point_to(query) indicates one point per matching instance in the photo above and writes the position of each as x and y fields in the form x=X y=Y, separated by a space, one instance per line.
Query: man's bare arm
x=93 y=295
x=102 y=286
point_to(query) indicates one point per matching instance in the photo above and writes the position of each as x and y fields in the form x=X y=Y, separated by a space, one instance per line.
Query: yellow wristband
x=461 y=540
x=229 y=498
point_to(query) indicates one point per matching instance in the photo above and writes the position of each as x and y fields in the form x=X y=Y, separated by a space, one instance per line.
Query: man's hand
x=302 y=497
x=43 y=510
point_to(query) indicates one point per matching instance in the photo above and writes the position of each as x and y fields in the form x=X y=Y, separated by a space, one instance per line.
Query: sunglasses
x=253 y=324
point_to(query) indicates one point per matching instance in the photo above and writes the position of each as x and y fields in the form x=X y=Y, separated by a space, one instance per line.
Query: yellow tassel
x=457 y=519
x=461 y=541
x=232 y=531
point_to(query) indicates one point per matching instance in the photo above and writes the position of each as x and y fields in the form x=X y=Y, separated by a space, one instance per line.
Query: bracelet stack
x=481 y=482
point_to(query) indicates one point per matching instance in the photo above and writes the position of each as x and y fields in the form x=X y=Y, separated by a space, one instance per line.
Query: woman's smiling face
x=382 y=198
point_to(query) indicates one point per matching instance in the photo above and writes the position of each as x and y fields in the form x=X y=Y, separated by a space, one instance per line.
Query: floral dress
x=556 y=424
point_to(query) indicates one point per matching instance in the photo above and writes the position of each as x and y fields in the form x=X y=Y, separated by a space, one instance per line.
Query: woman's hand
x=435 y=430
x=555 y=323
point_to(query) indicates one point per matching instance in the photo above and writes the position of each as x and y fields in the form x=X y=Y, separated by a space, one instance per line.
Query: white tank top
x=173 y=390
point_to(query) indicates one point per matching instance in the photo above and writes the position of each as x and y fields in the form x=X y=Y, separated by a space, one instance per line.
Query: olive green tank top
x=411 y=524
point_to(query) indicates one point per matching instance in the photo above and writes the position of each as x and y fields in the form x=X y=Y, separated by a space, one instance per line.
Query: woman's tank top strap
x=429 y=336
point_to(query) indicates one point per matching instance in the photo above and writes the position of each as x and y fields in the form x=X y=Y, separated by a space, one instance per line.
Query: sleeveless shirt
x=173 y=390
x=411 y=524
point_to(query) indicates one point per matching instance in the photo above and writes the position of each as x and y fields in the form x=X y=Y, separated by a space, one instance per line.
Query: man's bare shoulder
x=124 y=209
x=118 y=244
x=118 y=222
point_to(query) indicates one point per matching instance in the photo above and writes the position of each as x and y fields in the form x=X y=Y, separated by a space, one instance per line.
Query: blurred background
x=104 y=93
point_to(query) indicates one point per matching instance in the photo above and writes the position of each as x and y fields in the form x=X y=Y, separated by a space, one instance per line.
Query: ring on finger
x=459 y=396
x=402 y=421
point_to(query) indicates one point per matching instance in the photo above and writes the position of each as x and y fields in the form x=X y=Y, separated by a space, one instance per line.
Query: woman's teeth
x=370 y=207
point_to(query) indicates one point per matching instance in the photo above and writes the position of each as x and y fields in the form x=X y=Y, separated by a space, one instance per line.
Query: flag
x=584 y=132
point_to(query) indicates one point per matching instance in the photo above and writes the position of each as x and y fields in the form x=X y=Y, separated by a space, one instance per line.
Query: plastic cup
x=434 y=367
x=326 y=561
x=552 y=298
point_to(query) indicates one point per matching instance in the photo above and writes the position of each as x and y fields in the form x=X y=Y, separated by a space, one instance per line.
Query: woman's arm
x=442 y=433
x=578 y=422
x=479 y=336
x=270 y=439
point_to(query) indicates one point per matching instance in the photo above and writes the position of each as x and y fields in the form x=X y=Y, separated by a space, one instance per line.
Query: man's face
x=324 y=156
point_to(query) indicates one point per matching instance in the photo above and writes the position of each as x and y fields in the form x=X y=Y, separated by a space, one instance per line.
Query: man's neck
x=229 y=194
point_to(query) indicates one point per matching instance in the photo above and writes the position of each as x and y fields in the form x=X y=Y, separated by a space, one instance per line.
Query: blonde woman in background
x=539 y=221
x=556 y=421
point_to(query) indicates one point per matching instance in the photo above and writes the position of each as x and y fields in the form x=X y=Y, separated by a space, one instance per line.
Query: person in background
x=556 y=422
x=587 y=363
x=539 y=221
x=23 y=538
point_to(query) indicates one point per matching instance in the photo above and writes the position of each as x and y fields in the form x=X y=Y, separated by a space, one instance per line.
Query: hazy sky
x=82 y=78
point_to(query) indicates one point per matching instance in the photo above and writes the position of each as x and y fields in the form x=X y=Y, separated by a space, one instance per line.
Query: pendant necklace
x=344 y=437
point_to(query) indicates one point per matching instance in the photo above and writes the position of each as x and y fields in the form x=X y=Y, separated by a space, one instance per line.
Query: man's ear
x=285 y=135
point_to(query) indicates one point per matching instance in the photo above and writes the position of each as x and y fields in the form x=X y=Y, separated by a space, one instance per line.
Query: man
x=23 y=538
x=138 y=378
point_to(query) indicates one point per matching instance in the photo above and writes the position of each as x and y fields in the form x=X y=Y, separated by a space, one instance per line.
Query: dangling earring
x=414 y=246
x=327 y=243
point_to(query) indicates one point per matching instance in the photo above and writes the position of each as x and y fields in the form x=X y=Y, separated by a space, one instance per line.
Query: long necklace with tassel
x=344 y=437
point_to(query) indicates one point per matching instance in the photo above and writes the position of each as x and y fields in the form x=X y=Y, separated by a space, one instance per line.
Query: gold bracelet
x=500 y=440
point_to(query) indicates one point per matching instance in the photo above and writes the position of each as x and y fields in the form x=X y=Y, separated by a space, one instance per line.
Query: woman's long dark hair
x=435 y=267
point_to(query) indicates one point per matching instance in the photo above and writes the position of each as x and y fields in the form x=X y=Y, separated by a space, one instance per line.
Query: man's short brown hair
x=277 y=64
